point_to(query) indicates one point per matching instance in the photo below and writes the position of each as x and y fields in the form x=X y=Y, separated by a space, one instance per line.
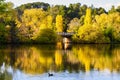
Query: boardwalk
x=65 y=34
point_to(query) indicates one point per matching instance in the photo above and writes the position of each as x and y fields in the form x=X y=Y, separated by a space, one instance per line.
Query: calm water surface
x=56 y=62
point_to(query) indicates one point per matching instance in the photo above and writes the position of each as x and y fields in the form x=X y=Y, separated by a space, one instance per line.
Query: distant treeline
x=38 y=22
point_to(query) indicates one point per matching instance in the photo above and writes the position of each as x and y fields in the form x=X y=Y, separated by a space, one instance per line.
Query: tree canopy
x=90 y=25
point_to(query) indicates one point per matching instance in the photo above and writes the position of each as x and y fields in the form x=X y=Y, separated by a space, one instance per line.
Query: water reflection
x=39 y=59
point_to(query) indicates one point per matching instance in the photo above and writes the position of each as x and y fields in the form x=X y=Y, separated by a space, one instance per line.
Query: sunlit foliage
x=35 y=24
x=90 y=24
x=88 y=17
x=32 y=22
x=59 y=23
x=109 y=24
x=74 y=25
x=89 y=33
x=46 y=36
x=103 y=28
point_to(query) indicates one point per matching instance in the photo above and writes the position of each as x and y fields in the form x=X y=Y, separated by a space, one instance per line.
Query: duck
x=50 y=74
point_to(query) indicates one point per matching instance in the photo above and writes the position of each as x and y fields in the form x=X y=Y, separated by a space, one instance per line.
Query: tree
x=59 y=10
x=88 y=17
x=38 y=5
x=73 y=9
x=112 y=10
x=109 y=24
x=7 y=17
x=54 y=11
x=59 y=23
x=89 y=32
x=74 y=25
x=50 y=22
x=32 y=21
x=7 y=12
x=2 y=6
x=118 y=9
x=46 y=36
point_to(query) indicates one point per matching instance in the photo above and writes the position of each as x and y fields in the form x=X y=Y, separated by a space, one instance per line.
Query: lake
x=58 y=62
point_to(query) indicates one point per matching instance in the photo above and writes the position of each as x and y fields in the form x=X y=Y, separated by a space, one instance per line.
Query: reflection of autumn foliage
x=32 y=60
x=28 y=60
x=58 y=58
x=72 y=58
x=40 y=59
x=99 y=57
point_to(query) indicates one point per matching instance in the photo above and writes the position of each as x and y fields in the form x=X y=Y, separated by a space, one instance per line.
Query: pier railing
x=65 y=33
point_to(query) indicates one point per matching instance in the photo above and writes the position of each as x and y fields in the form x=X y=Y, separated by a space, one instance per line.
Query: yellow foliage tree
x=34 y=17
x=88 y=17
x=49 y=21
x=59 y=23
x=32 y=22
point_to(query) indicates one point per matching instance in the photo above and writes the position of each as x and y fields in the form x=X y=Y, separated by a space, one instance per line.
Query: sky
x=97 y=3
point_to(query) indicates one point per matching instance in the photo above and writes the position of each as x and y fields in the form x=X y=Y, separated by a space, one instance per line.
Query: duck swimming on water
x=50 y=74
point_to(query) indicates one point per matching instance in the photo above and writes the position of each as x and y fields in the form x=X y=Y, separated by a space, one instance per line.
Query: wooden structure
x=66 y=36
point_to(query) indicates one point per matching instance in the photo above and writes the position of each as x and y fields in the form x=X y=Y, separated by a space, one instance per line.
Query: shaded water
x=71 y=62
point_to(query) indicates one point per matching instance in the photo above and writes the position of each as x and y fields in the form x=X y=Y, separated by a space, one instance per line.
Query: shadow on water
x=40 y=59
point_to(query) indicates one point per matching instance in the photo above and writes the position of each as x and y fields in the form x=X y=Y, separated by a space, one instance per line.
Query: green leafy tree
x=112 y=10
x=118 y=9
x=38 y=5
x=46 y=36
x=7 y=17
x=2 y=6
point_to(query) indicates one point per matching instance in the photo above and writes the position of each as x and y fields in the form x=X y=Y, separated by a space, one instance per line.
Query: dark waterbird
x=50 y=74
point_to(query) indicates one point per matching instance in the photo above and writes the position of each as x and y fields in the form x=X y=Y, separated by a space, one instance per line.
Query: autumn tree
x=34 y=23
x=50 y=22
x=59 y=23
x=88 y=17
x=30 y=24
x=74 y=25
x=89 y=32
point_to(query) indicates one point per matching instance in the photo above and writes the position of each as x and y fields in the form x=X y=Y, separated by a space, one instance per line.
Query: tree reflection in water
x=39 y=59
